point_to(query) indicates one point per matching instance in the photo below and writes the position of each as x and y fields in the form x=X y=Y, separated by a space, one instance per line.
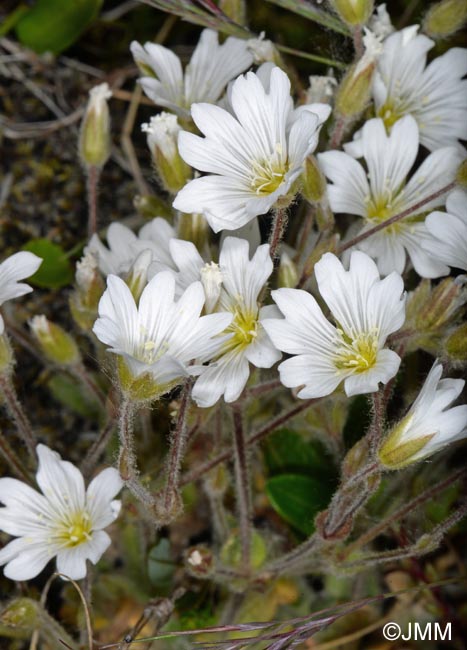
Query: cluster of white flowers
x=210 y=316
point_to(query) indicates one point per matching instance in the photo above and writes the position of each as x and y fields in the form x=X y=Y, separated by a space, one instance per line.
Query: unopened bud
x=150 y=207
x=235 y=10
x=321 y=89
x=461 y=176
x=313 y=181
x=199 y=561
x=354 y=12
x=445 y=18
x=288 y=275
x=443 y=301
x=353 y=94
x=455 y=345
x=6 y=355
x=162 y=134
x=264 y=51
x=90 y=286
x=137 y=277
x=94 y=140
x=211 y=279
x=56 y=344
x=194 y=228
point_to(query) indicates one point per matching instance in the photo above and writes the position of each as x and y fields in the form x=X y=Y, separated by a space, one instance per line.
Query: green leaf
x=161 y=567
x=56 y=269
x=53 y=25
x=286 y=452
x=298 y=499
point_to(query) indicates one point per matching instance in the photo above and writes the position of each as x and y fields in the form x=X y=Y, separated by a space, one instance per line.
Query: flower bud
x=6 y=355
x=162 y=134
x=395 y=454
x=89 y=289
x=445 y=18
x=288 y=275
x=354 y=12
x=461 y=176
x=94 y=139
x=194 y=228
x=211 y=279
x=199 y=561
x=150 y=207
x=455 y=345
x=321 y=89
x=264 y=51
x=137 y=277
x=235 y=10
x=443 y=301
x=353 y=94
x=56 y=344
x=313 y=181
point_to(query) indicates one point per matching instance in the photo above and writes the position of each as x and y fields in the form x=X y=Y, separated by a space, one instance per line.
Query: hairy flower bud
x=89 y=288
x=6 y=355
x=288 y=275
x=94 y=139
x=354 y=12
x=455 y=345
x=56 y=344
x=235 y=10
x=445 y=18
x=162 y=134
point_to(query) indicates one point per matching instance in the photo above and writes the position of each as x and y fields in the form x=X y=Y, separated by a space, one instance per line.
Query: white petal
x=99 y=495
x=60 y=481
x=27 y=564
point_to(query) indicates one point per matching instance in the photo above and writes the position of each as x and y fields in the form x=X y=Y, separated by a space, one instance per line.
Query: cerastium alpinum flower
x=64 y=520
x=253 y=156
x=365 y=309
x=157 y=340
x=429 y=425
x=15 y=268
x=434 y=94
x=211 y=67
x=382 y=191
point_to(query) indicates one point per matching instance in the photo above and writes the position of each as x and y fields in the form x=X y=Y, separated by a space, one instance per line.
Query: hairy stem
x=178 y=440
x=17 y=413
x=93 y=174
x=242 y=485
x=127 y=459
x=405 y=213
x=277 y=231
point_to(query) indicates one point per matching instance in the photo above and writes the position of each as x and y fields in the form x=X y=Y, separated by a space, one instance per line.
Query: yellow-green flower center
x=359 y=354
x=244 y=328
x=390 y=112
x=267 y=175
x=75 y=530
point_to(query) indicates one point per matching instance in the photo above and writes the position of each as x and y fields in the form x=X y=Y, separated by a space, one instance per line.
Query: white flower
x=253 y=156
x=211 y=67
x=365 y=309
x=64 y=521
x=16 y=267
x=449 y=232
x=435 y=95
x=160 y=337
x=429 y=425
x=245 y=340
x=125 y=246
x=385 y=192
x=262 y=49
x=98 y=97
